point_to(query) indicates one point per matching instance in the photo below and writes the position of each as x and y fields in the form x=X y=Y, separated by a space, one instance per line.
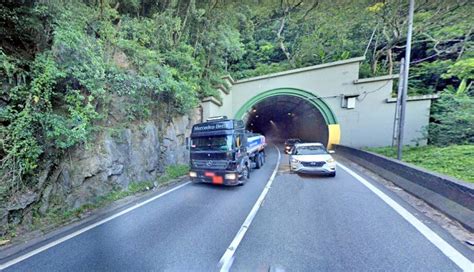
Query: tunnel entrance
x=284 y=116
x=289 y=112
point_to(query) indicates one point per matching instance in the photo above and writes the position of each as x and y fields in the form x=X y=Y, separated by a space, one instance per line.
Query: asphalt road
x=304 y=224
x=333 y=224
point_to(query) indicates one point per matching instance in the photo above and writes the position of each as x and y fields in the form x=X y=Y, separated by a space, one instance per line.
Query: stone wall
x=117 y=157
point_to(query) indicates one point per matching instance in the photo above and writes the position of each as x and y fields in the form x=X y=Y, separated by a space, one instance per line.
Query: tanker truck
x=223 y=152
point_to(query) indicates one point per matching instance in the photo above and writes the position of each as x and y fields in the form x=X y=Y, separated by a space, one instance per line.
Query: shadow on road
x=314 y=176
x=216 y=187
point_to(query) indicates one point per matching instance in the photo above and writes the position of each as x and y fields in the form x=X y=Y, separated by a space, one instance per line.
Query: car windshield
x=310 y=150
x=223 y=143
x=292 y=141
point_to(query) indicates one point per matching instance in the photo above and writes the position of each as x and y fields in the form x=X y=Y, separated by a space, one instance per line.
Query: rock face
x=118 y=156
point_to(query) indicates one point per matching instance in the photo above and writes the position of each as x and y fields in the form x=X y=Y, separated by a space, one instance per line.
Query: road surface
x=304 y=224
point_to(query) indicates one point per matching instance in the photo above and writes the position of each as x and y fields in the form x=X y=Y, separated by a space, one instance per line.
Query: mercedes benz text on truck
x=223 y=152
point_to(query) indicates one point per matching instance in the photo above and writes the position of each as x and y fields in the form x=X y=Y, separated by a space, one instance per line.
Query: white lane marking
x=454 y=255
x=228 y=258
x=78 y=232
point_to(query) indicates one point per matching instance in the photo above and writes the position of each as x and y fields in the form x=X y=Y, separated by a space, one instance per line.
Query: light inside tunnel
x=283 y=116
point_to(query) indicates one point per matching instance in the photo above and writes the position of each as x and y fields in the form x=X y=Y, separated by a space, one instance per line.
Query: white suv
x=312 y=158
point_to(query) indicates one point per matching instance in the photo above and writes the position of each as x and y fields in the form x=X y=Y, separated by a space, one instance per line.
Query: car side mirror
x=331 y=151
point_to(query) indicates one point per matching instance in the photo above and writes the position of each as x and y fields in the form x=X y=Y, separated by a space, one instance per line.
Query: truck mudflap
x=215 y=177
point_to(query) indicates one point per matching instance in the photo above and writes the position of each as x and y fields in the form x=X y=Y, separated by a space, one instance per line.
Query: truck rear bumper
x=215 y=177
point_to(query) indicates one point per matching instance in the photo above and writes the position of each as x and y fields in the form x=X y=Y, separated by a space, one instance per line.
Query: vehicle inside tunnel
x=282 y=117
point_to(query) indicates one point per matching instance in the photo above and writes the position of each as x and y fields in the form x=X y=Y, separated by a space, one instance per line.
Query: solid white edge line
x=450 y=252
x=78 y=232
x=228 y=258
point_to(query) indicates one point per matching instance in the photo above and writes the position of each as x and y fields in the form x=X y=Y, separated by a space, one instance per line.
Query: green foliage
x=79 y=55
x=63 y=62
x=462 y=69
x=426 y=78
x=453 y=160
x=173 y=172
x=55 y=95
x=453 y=120
x=50 y=108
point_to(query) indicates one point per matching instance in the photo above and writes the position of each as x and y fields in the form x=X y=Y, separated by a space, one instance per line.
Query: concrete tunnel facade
x=325 y=103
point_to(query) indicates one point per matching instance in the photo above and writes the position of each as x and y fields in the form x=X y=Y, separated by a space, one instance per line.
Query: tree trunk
x=101 y=7
x=466 y=39
x=375 y=61
x=281 y=39
x=390 y=61
x=191 y=2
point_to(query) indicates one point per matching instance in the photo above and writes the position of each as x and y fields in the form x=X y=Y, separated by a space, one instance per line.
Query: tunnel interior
x=284 y=116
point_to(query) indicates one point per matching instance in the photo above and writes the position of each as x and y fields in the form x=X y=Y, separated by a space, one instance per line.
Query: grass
x=173 y=171
x=454 y=160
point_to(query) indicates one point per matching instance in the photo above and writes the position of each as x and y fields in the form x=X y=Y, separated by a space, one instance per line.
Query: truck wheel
x=258 y=160
x=245 y=173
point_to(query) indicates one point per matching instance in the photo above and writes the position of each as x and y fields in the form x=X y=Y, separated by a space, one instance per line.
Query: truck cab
x=218 y=152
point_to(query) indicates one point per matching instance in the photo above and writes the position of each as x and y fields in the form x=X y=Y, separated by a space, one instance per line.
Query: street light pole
x=396 y=119
x=405 y=78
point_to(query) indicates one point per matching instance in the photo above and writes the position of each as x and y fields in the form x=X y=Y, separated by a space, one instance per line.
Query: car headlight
x=330 y=160
x=230 y=176
x=294 y=160
x=287 y=147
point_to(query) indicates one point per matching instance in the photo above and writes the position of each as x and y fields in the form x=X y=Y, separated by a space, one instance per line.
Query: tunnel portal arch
x=334 y=132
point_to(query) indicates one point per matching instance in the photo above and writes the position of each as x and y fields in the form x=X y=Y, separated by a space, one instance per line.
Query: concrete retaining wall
x=453 y=197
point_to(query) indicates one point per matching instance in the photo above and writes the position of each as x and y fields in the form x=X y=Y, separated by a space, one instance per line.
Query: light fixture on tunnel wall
x=289 y=113
x=256 y=116
x=254 y=110
x=349 y=101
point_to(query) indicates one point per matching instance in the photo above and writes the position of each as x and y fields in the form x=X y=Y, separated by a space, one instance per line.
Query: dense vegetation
x=456 y=160
x=63 y=62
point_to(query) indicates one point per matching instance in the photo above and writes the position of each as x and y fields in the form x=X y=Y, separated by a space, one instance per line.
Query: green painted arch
x=317 y=102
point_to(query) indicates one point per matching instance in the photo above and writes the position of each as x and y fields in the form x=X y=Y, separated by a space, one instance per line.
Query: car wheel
x=333 y=174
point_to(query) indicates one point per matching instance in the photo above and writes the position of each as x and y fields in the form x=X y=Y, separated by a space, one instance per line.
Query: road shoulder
x=448 y=229
x=38 y=239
